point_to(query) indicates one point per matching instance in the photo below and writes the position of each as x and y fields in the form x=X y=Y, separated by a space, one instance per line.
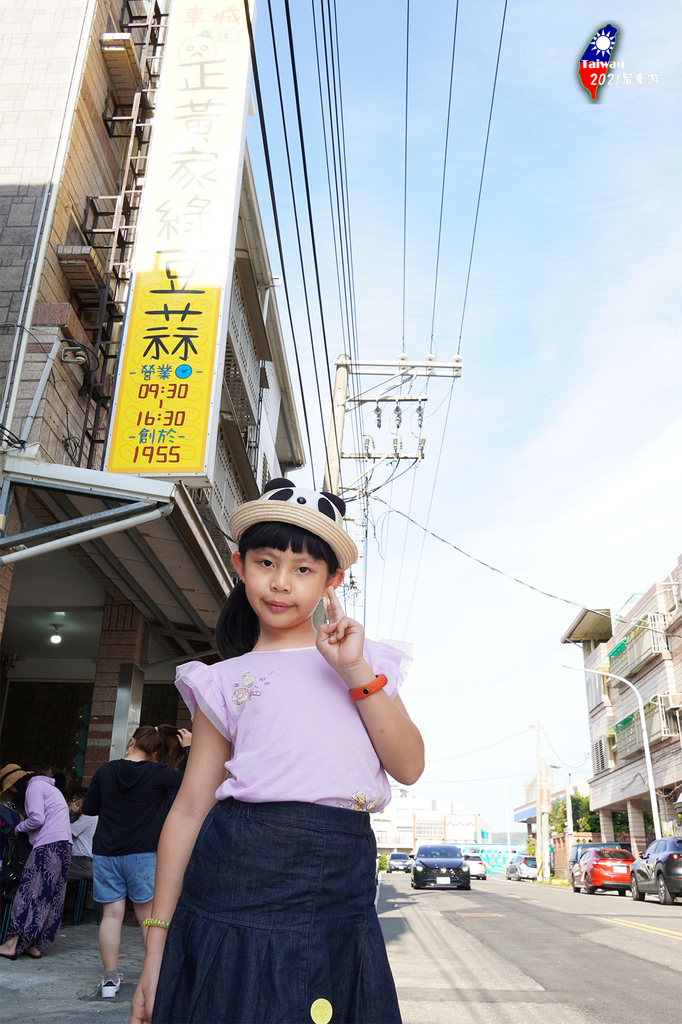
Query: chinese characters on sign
x=168 y=388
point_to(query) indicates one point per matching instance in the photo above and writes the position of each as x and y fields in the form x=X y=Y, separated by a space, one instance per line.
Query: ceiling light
x=55 y=638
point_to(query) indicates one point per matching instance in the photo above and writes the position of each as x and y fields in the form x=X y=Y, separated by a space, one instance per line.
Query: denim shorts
x=114 y=878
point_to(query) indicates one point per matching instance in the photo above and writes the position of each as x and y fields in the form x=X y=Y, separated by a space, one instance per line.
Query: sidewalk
x=63 y=987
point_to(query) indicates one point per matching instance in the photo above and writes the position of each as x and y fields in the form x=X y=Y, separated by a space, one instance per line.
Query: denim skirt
x=276 y=922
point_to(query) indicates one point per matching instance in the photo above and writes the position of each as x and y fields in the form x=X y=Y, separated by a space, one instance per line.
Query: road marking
x=643 y=927
x=467 y=913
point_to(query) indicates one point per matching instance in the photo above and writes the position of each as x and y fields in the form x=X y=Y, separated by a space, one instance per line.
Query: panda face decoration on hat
x=319 y=512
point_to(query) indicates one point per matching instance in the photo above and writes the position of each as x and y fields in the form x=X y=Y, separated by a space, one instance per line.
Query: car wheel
x=634 y=889
x=621 y=892
x=589 y=889
x=466 y=888
x=664 y=895
x=576 y=888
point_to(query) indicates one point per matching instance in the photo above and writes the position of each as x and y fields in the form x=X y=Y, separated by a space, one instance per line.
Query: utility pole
x=335 y=437
x=569 y=815
x=396 y=389
x=538 y=802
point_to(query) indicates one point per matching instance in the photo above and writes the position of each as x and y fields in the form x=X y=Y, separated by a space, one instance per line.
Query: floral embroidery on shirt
x=359 y=802
x=243 y=690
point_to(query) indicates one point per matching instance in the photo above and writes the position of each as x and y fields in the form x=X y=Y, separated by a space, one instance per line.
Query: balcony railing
x=641 y=643
x=628 y=733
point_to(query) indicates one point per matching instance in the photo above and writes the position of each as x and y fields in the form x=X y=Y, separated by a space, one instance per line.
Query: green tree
x=584 y=820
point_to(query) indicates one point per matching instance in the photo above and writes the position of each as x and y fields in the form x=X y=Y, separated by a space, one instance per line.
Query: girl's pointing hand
x=340 y=641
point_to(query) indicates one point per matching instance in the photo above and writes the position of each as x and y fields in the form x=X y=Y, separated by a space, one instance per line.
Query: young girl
x=275 y=920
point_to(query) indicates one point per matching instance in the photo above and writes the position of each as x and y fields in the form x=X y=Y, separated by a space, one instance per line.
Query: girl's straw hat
x=10 y=775
x=320 y=513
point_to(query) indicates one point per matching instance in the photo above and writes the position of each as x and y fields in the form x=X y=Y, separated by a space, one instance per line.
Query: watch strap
x=360 y=692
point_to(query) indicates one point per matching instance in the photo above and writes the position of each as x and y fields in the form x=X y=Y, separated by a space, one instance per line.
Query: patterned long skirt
x=39 y=900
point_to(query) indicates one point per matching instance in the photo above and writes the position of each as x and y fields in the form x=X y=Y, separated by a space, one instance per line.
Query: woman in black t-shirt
x=130 y=798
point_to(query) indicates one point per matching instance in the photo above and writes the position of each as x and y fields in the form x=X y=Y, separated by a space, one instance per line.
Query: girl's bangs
x=284 y=536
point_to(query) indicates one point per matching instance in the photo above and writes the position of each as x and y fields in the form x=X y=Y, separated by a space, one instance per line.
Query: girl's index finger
x=334 y=603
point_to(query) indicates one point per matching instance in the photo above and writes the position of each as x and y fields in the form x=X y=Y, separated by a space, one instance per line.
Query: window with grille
x=429 y=830
x=600 y=755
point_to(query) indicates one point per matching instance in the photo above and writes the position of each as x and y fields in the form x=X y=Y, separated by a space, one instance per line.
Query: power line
x=344 y=279
x=445 y=164
x=296 y=221
x=428 y=513
x=345 y=205
x=480 y=561
x=480 y=187
x=307 y=195
x=573 y=767
x=515 y=579
x=271 y=187
x=498 y=743
x=405 y=195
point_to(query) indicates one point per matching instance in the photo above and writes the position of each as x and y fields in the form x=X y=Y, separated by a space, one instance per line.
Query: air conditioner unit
x=673 y=701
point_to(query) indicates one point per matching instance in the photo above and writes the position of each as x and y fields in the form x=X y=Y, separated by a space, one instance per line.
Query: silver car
x=522 y=866
x=477 y=868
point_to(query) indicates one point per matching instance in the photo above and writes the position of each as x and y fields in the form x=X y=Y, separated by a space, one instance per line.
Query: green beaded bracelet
x=153 y=922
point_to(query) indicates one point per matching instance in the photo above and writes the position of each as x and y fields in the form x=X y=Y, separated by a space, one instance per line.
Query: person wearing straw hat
x=39 y=900
x=263 y=906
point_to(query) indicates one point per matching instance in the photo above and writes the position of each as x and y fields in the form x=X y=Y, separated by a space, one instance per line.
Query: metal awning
x=590 y=624
x=146 y=536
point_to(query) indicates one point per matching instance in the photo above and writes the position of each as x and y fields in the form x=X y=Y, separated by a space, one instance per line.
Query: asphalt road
x=519 y=953
x=503 y=953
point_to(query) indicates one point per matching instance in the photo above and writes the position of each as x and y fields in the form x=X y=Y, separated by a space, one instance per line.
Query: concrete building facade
x=409 y=820
x=107 y=581
x=643 y=644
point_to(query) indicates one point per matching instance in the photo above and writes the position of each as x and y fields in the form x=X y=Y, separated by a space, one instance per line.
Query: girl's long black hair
x=238 y=627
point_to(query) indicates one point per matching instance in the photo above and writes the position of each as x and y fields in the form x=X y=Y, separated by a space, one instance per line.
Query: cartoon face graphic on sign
x=196 y=50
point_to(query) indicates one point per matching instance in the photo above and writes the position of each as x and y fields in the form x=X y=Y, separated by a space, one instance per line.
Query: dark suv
x=658 y=870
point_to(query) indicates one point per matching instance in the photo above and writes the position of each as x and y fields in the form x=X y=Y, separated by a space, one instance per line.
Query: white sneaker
x=110 y=988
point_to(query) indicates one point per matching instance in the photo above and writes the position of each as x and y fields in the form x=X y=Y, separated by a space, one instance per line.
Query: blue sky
x=561 y=456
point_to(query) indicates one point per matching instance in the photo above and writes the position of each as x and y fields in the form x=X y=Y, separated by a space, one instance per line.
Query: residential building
x=409 y=820
x=109 y=579
x=641 y=644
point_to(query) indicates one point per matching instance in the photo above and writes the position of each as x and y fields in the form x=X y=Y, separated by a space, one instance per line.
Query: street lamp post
x=645 y=739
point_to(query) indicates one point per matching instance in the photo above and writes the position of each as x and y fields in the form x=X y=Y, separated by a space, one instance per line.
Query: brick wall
x=38 y=43
x=120 y=643
x=42 y=720
x=159 y=704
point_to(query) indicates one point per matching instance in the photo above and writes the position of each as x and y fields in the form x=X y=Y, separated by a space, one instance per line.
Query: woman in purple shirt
x=39 y=900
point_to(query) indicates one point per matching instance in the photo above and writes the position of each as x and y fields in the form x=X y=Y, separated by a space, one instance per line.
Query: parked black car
x=440 y=865
x=398 y=862
x=658 y=870
x=578 y=849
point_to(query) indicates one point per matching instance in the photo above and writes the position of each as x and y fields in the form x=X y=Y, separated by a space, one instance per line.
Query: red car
x=603 y=868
